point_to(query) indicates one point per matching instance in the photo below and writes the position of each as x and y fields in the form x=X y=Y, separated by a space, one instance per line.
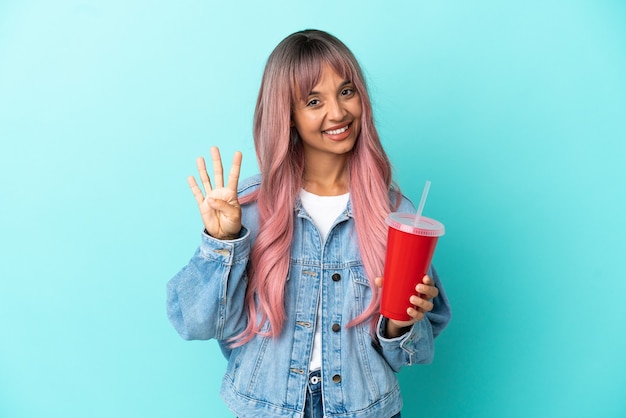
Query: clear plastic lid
x=405 y=222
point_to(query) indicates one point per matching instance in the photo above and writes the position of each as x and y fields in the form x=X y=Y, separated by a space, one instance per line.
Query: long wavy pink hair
x=292 y=70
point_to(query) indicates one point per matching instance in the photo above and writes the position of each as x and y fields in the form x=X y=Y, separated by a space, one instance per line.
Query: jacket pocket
x=361 y=291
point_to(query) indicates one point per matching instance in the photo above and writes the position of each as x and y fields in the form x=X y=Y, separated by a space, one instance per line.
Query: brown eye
x=347 y=92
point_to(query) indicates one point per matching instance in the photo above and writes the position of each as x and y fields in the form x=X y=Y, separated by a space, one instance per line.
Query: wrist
x=393 y=330
x=226 y=237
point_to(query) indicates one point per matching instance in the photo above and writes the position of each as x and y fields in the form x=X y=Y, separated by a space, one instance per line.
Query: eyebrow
x=345 y=83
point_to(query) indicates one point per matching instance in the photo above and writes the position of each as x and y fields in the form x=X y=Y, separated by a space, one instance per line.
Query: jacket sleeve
x=417 y=345
x=206 y=298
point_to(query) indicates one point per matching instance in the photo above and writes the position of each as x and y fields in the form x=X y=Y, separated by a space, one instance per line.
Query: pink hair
x=297 y=62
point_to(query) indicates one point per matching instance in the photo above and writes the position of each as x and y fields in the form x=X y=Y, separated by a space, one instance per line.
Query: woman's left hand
x=421 y=305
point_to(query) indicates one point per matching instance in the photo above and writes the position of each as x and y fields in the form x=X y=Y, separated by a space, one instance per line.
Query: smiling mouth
x=337 y=131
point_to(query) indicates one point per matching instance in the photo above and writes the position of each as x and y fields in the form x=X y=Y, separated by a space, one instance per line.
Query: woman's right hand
x=220 y=209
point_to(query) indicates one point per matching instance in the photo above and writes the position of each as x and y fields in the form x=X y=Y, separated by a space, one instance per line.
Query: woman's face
x=328 y=120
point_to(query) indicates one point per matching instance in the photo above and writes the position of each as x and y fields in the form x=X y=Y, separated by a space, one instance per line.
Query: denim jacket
x=267 y=377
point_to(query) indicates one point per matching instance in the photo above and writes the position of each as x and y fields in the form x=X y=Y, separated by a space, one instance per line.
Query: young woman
x=287 y=275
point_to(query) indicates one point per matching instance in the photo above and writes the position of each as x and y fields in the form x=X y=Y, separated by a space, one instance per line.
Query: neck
x=326 y=178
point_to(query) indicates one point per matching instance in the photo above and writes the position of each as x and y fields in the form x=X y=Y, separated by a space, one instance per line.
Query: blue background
x=515 y=110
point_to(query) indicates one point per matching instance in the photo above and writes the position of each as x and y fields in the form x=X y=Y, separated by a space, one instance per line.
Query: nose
x=336 y=110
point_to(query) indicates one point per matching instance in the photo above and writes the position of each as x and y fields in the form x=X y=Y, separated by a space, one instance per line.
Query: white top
x=324 y=210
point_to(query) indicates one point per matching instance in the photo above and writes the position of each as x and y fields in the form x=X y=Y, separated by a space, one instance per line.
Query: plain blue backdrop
x=515 y=110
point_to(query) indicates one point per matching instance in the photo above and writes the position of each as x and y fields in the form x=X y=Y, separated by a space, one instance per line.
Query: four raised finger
x=218 y=171
x=204 y=176
x=197 y=193
x=235 y=169
x=218 y=174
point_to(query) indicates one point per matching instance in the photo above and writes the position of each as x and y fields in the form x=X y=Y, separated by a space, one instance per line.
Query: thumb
x=378 y=281
x=218 y=204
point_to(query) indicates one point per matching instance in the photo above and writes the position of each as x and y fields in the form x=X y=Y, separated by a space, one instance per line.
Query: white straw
x=420 y=208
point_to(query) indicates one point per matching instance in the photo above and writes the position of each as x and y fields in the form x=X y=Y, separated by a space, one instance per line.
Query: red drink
x=410 y=250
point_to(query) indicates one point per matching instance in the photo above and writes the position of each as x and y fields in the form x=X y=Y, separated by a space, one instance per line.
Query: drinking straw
x=420 y=208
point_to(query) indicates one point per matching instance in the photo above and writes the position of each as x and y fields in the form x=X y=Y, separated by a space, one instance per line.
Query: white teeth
x=337 y=131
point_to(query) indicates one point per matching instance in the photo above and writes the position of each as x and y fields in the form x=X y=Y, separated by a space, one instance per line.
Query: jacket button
x=336 y=327
x=336 y=277
x=337 y=378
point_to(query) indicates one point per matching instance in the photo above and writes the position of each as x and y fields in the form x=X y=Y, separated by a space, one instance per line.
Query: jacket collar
x=300 y=212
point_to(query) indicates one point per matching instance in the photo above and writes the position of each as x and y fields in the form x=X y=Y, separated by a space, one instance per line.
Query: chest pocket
x=362 y=293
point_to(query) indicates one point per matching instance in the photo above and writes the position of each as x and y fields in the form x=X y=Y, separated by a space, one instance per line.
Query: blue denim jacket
x=267 y=377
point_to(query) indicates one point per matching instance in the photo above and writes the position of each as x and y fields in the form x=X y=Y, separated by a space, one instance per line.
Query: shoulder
x=249 y=185
x=247 y=191
x=400 y=202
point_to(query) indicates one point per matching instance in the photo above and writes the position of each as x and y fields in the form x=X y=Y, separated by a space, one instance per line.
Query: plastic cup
x=410 y=249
